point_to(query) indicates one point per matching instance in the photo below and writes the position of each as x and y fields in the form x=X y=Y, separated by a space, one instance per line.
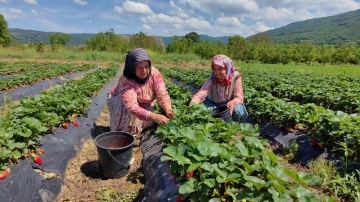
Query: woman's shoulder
x=237 y=75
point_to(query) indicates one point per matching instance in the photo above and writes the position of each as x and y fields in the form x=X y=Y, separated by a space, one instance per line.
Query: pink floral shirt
x=222 y=91
x=136 y=96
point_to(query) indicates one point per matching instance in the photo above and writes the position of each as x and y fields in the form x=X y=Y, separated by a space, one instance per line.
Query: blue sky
x=167 y=17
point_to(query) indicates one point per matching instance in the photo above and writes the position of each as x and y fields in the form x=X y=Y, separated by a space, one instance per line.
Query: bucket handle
x=127 y=165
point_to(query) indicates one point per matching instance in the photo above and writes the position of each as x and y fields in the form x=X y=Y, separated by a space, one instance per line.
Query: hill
x=332 y=30
x=27 y=36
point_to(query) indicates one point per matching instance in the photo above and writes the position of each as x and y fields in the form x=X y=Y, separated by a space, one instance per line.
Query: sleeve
x=129 y=99
x=161 y=93
x=203 y=92
x=238 y=91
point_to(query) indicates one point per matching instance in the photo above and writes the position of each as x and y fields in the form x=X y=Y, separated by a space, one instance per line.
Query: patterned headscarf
x=132 y=58
x=226 y=63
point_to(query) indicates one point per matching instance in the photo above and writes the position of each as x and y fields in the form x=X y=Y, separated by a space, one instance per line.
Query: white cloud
x=260 y=27
x=80 y=2
x=131 y=7
x=227 y=7
x=197 y=23
x=4 y=1
x=12 y=13
x=90 y=22
x=31 y=2
x=162 y=18
x=34 y=11
x=177 y=11
x=146 y=27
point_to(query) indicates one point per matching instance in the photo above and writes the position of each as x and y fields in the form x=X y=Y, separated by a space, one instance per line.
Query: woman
x=132 y=99
x=224 y=87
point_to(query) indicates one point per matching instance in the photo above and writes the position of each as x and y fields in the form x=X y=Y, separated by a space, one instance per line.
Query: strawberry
x=351 y=155
x=64 y=125
x=37 y=159
x=296 y=127
x=41 y=151
x=75 y=123
x=178 y=199
x=3 y=174
x=313 y=142
x=111 y=147
x=189 y=174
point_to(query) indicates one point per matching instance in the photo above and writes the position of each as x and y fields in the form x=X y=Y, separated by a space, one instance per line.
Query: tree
x=260 y=38
x=59 y=39
x=5 y=37
x=193 y=37
x=141 y=40
x=237 y=46
x=109 y=41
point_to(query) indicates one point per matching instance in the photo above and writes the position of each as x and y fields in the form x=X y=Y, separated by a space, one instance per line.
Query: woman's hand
x=158 y=118
x=170 y=114
x=231 y=105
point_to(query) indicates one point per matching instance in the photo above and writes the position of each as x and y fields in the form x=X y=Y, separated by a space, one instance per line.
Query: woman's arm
x=202 y=93
x=161 y=93
x=238 y=91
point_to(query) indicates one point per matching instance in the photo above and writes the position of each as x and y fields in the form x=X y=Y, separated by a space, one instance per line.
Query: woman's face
x=142 y=69
x=219 y=72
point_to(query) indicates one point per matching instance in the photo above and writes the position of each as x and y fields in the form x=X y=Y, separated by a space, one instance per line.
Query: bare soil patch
x=83 y=181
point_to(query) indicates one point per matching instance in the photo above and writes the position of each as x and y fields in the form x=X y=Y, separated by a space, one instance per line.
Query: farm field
x=210 y=159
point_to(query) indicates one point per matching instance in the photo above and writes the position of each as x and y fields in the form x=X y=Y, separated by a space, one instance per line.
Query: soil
x=83 y=181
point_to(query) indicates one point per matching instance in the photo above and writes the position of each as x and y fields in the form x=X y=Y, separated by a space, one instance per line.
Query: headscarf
x=226 y=63
x=132 y=58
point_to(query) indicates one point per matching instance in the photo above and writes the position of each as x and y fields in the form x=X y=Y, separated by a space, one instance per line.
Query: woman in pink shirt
x=131 y=101
x=224 y=87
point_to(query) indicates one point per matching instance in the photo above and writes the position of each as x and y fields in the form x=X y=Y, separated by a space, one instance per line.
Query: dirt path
x=83 y=181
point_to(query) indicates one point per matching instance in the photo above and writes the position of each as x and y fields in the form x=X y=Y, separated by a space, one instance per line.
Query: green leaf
x=207 y=166
x=209 y=182
x=242 y=148
x=188 y=133
x=16 y=154
x=188 y=187
x=257 y=182
x=193 y=166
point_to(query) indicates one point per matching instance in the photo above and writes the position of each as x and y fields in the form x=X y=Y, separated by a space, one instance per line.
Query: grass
x=302 y=68
x=78 y=53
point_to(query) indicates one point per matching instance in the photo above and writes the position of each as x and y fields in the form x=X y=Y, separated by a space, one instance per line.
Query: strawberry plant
x=21 y=129
x=218 y=161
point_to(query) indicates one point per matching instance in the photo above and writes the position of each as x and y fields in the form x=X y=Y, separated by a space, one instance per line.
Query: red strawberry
x=64 y=125
x=189 y=174
x=37 y=159
x=75 y=123
x=178 y=199
x=3 y=175
x=41 y=151
x=296 y=127
x=313 y=142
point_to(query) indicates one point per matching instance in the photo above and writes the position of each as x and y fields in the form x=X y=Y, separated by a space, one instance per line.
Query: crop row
x=327 y=128
x=41 y=72
x=23 y=125
x=218 y=161
x=332 y=92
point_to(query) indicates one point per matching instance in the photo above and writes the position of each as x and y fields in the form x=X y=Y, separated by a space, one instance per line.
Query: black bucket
x=114 y=153
x=222 y=112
